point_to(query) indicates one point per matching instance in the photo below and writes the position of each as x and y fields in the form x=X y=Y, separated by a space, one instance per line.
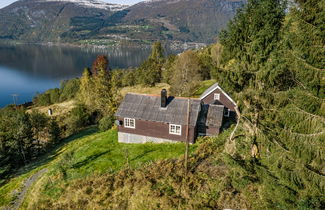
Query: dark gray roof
x=215 y=115
x=147 y=107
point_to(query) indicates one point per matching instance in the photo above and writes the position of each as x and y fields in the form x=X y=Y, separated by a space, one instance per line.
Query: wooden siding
x=158 y=130
x=209 y=99
x=212 y=131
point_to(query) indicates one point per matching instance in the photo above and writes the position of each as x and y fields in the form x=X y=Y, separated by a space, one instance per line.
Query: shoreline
x=172 y=45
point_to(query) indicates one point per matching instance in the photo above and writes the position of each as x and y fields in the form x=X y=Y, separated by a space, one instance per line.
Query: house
x=160 y=118
x=215 y=95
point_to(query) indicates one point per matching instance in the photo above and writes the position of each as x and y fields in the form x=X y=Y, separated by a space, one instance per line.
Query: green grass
x=203 y=86
x=101 y=152
x=86 y=154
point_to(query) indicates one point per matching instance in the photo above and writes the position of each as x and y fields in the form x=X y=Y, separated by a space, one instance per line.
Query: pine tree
x=150 y=71
x=278 y=71
x=54 y=132
x=250 y=40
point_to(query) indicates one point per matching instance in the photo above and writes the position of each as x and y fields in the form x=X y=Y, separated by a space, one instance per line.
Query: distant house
x=215 y=95
x=159 y=118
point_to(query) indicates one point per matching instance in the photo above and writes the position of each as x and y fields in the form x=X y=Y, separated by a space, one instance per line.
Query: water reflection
x=28 y=69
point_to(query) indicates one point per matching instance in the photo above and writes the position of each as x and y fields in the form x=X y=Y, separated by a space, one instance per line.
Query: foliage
x=106 y=123
x=167 y=69
x=54 y=132
x=99 y=88
x=250 y=40
x=78 y=119
x=187 y=74
x=23 y=137
x=149 y=73
x=68 y=90
x=100 y=64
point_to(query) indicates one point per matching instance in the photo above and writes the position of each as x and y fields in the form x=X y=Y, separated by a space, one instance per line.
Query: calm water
x=26 y=70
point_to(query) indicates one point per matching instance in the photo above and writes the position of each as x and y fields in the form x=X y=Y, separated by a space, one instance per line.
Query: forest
x=270 y=58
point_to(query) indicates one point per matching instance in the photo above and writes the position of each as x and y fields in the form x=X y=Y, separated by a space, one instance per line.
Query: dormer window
x=216 y=96
x=227 y=112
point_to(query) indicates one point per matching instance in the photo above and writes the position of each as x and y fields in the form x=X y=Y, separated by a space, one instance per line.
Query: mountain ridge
x=94 y=21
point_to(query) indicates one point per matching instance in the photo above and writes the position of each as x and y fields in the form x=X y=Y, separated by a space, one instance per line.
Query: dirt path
x=27 y=184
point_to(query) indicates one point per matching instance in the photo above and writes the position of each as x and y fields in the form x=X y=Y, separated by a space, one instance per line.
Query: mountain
x=104 y=23
x=185 y=20
x=49 y=20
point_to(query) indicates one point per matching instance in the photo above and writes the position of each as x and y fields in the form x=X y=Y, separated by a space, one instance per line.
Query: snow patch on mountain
x=93 y=4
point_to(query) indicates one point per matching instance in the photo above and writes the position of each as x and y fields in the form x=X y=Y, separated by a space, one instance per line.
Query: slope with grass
x=85 y=155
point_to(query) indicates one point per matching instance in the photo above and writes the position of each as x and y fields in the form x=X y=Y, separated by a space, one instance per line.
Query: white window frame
x=227 y=112
x=173 y=129
x=216 y=96
x=128 y=123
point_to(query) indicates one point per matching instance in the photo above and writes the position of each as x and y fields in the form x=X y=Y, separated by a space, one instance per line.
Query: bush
x=106 y=123
x=78 y=119
x=42 y=99
x=69 y=89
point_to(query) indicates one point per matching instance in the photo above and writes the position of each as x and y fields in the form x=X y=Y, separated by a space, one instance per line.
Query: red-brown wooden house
x=153 y=118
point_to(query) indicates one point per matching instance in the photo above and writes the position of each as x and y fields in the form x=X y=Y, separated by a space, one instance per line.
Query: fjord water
x=26 y=70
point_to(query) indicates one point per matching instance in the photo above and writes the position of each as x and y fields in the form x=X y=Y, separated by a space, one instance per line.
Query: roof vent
x=163 y=98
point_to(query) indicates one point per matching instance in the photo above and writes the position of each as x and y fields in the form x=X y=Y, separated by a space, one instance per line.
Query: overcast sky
x=4 y=3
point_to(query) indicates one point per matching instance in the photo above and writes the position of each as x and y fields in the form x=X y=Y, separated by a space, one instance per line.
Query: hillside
x=270 y=60
x=95 y=22
x=184 y=20
x=84 y=155
x=48 y=20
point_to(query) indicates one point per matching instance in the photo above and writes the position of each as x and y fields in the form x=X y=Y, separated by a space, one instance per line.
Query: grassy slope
x=145 y=90
x=203 y=86
x=89 y=153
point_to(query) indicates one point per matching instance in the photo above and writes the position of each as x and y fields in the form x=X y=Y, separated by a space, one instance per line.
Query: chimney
x=163 y=98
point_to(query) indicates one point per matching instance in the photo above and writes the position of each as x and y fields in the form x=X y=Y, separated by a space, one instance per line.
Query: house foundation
x=129 y=138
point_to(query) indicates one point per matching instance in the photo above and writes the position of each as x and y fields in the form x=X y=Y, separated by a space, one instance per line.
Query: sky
x=4 y=3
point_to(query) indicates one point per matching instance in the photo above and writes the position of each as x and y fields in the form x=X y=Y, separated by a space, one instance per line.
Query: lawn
x=89 y=153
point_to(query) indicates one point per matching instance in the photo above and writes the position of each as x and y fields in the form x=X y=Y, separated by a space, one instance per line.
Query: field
x=86 y=154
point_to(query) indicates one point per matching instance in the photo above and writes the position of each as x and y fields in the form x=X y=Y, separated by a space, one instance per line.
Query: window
x=129 y=123
x=216 y=96
x=227 y=112
x=175 y=129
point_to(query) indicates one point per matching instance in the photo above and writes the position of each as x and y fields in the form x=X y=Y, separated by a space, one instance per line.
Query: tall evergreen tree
x=150 y=71
x=278 y=77
x=250 y=40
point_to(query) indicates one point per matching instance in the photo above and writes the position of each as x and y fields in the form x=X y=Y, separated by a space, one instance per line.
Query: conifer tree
x=149 y=73
x=250 y=40
x=278 y=80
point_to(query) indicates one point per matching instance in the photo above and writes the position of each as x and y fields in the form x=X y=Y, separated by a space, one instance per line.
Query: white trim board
x=218 y=87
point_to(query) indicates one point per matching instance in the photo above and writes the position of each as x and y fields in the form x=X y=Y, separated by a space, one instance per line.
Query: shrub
x=79 y=118
x=106 y=123
x=69 y=89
